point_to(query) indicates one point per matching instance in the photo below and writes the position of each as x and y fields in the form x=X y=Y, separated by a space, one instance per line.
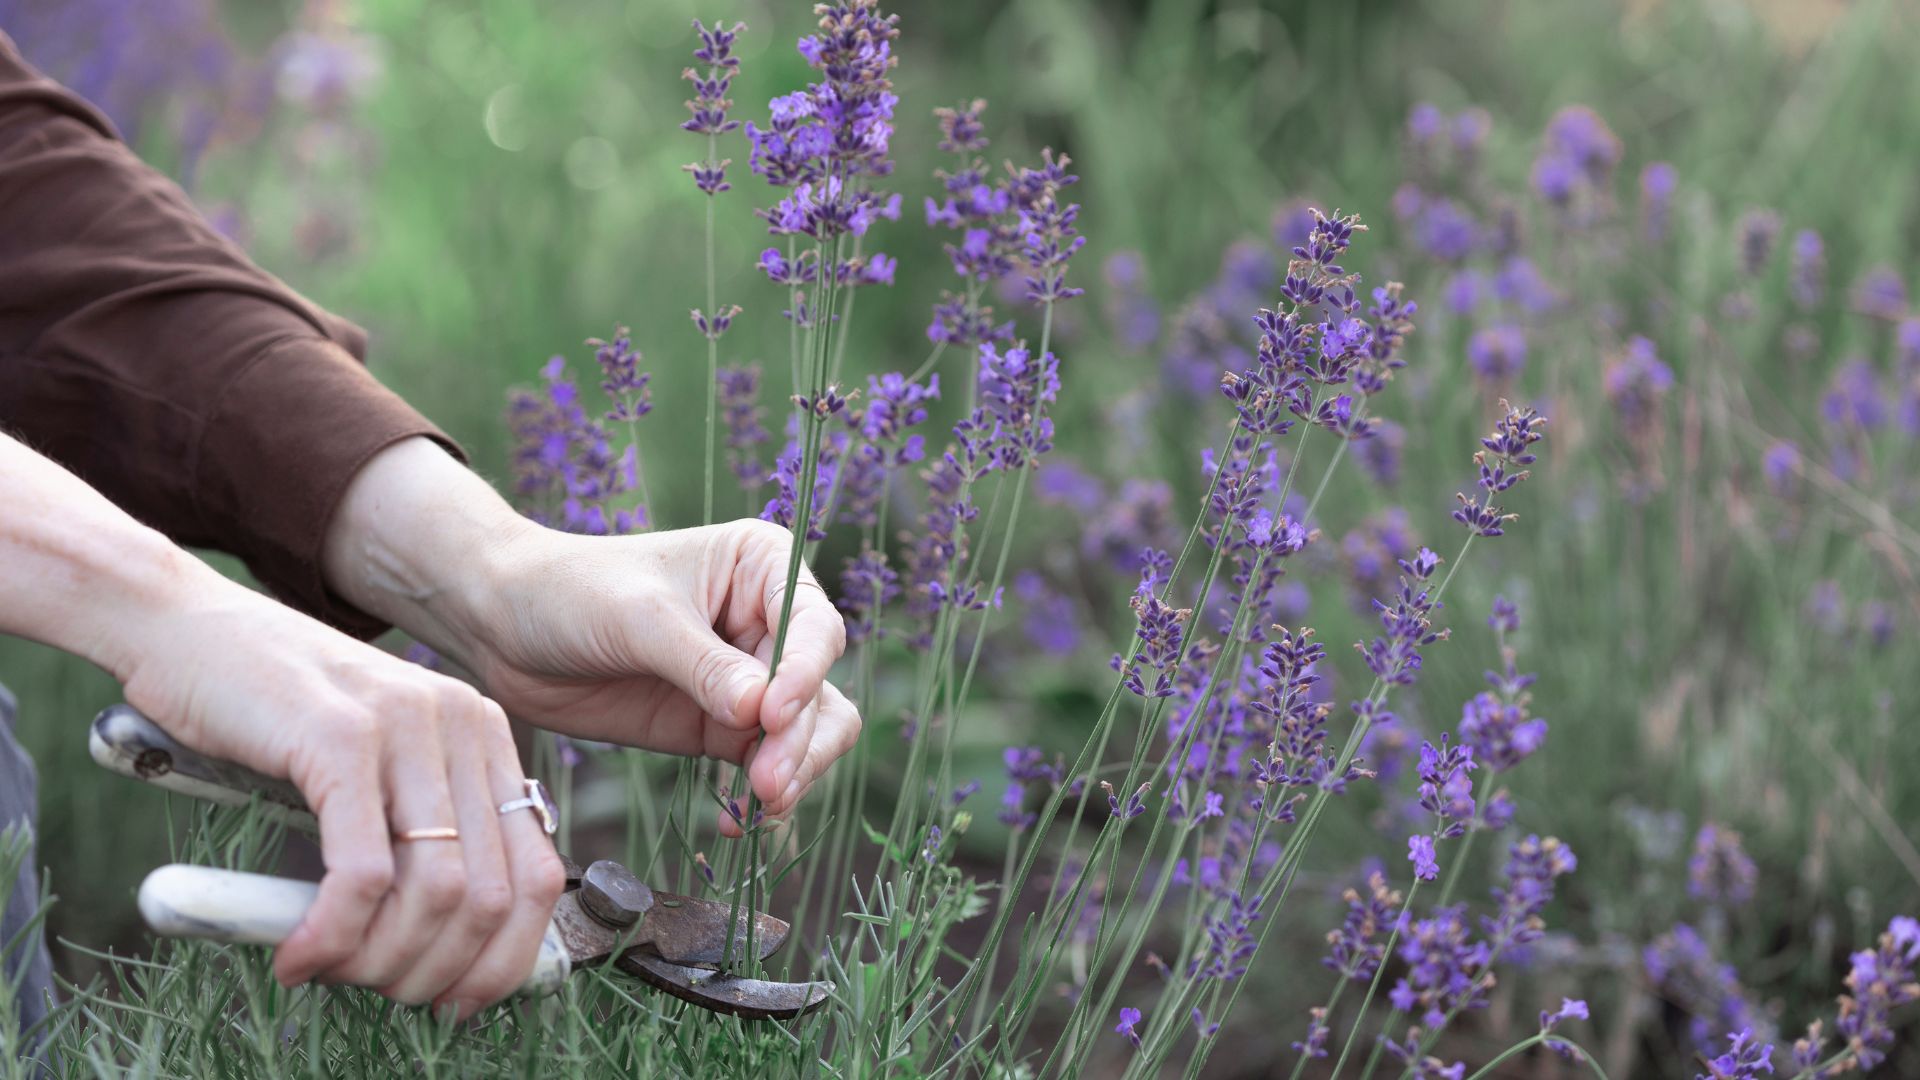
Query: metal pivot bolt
x=612 y=895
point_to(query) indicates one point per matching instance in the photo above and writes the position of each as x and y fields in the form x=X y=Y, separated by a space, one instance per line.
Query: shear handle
x=238 y=908
x=128 y=743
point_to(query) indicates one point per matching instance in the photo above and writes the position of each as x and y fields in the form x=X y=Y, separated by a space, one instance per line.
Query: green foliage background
x=524 y=192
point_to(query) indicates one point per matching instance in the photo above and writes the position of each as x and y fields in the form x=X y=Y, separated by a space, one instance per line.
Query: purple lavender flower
x=1446 y=231
x=1573 y=171
x=1160 y=632
x=1509 y=446
x=1745 y=1059
x=1356 y=949
x=1682 y=968
x=1047 y=226
x=1881 y=294
x=1315 y=1044
x=1424 y=122
x=740 y=409
x=622 y=378
x=1445 y=967
x=1527 y=887
x=709 y=105
x=1293 y=224
x=1719 y=870
x=1501 y=733
x=1808 y=272
x=1658 y=182
x=567 y=474
x=1756 y=234
x=1025 y=766
x=1130 y=310
x=1406 y=624
x=1014 y=389
x=1781 y=466
x=1470 y=129
x=1379 y=454
x=1570 y=1009
x=1880 y=980
x=1465 y=290
x=1420 y=854
x=1129 y=1024
x=1230 y=939
x=1446 y=790
x=1051 y=624
x=1520 y=282
x=1637 y=383
x=1135 y=805
x=824 y=142
x=1855 y=400
x=1419 y=1066
x=1506 y=616
x=1498 y=354
x=867 y=585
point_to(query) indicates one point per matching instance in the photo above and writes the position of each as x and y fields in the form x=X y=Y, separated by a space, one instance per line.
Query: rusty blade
x=752 y=999
x=689 y=930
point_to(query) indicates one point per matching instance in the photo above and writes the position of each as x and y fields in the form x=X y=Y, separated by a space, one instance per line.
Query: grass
x=1678 y=662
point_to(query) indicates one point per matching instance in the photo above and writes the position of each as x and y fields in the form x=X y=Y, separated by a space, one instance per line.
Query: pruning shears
x=676 y=944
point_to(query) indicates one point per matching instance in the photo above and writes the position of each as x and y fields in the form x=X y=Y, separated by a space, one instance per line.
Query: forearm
x=418 y=541
x=77 y=573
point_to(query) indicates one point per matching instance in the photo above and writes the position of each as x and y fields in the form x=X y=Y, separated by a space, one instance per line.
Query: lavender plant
x=1147 y=876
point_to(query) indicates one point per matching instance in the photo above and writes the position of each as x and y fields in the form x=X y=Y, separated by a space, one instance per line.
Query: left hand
x=662 y=641
x=659 y=641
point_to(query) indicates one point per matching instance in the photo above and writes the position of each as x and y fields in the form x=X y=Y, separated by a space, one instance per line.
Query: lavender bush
x=1155 y=858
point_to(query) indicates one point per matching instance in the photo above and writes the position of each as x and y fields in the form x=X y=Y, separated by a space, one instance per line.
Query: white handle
x=254 y=909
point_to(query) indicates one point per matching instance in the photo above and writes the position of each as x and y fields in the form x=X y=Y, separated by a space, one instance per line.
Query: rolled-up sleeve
x=143 y=351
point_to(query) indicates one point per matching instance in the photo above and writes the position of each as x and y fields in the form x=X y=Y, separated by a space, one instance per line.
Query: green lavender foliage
x=1683 y=673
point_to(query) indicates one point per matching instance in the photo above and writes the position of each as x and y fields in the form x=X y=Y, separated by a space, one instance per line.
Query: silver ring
x=538 y=801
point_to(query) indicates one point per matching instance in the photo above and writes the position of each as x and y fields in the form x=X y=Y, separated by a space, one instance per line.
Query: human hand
x=660 y=641
x=663 y=641
x=377 y=746
x=373 y=743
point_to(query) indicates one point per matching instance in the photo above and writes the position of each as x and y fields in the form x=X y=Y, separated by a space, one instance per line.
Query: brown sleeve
x=144 y=352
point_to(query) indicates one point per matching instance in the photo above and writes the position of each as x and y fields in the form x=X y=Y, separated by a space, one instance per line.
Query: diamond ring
x=538 y=801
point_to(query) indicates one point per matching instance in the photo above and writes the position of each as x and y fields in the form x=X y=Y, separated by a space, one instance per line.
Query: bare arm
x=659 y=641
x=374 y=743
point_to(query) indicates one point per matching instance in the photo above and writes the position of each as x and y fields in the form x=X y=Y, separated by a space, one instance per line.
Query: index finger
x=816 y=636
x=346 y=797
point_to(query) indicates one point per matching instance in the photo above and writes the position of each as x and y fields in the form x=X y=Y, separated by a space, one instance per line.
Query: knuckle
x=489 y=903
x=546 y=879
x=711 y=671
x=761 y=531
x=367 y=880
x=402 y=699
x=456 y=700
x=355 y=728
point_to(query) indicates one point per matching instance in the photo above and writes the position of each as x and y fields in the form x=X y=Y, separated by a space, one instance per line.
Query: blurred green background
x=503 y=180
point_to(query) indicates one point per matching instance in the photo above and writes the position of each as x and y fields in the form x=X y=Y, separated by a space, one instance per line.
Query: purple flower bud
x=1129 y=1024
x=1420 y=854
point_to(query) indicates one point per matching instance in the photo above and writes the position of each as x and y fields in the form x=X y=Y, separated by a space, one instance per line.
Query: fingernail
x=741 y=688
x=788 y=711
x=793 y=792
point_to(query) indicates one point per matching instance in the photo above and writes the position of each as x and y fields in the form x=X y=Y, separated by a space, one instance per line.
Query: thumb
x=727 y=684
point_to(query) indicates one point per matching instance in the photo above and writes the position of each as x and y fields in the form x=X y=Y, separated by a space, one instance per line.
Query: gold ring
x=442 y=833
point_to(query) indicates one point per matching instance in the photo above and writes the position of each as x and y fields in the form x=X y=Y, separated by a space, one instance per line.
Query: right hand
x=376 y=745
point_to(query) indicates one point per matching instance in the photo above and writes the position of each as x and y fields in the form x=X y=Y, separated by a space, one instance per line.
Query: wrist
x=421 y=541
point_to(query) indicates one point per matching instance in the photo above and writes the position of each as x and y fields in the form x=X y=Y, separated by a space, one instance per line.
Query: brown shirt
x=144 y=352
